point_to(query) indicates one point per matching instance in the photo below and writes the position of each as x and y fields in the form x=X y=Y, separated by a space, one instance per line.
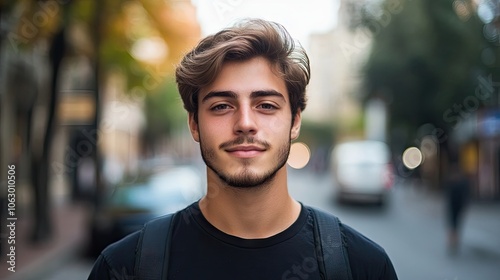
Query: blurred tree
x=426 y=59
x=30 y=26
x=143 y=38
x=164 y=114
x=317 y=134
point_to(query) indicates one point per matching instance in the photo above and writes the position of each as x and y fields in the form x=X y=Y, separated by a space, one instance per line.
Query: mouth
x=243 y=151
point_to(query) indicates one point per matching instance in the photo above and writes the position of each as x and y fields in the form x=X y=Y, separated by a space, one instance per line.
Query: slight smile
x=245 y=151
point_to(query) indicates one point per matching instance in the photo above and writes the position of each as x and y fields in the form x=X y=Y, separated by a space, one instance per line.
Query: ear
x=193 y=127
x=295 y=131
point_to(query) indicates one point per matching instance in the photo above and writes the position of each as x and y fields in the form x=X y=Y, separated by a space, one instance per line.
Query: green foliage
x=164 y=111
x=119 y=24
x=82 y=10
x=425 y=60
x=316 y=134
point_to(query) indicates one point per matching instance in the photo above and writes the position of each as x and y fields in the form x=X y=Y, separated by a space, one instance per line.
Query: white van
x=362 y=171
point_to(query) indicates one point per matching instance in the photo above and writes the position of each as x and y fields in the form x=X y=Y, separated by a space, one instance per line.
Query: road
x=411 y=228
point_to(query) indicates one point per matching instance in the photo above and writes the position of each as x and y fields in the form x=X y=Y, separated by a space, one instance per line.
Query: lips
x=245 y=151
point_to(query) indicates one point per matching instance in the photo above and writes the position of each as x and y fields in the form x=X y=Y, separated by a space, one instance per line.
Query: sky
x=300 y=17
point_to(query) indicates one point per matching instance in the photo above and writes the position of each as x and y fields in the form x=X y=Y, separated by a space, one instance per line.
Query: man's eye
x=267 y=106
x=220 y=107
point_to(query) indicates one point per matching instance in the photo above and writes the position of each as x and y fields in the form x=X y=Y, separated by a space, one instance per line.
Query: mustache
x=244 y=139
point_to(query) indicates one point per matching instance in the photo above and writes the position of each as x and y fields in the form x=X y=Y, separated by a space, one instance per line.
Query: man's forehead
x=246 y=76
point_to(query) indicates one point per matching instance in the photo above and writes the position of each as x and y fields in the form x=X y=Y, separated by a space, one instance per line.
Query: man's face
x=244 y=123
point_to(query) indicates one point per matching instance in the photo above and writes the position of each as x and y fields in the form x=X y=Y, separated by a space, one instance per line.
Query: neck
x=257 y=212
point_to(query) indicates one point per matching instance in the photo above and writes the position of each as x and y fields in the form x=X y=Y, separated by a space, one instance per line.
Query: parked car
x=362 y=171
x=129 y=205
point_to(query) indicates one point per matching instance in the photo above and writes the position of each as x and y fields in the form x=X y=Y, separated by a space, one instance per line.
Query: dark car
x=129 y=205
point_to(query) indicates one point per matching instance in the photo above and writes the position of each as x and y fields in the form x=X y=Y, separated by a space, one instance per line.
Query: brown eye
x=267 y=106
x=219 y=107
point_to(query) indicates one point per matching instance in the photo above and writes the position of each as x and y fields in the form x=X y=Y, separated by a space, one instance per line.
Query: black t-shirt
x=201 y=251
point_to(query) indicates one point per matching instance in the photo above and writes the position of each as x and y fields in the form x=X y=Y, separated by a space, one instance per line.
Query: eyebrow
x=233 y=95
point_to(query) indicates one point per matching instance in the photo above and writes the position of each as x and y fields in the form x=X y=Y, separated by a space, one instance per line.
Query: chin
x=246 y=179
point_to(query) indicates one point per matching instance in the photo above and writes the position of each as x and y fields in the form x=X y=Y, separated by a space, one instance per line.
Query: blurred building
x=108 y=118
x=476 y=141
x=336 y=60
x=478 y=136
x=485 y=152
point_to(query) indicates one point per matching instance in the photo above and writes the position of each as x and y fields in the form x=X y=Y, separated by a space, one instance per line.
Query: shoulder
x=366 y=257
x=117 y=259
x=357 y=241
x=351 y=238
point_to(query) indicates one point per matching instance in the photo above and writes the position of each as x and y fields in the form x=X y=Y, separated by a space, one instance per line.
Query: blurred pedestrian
x=244 y=90
x=458 y=191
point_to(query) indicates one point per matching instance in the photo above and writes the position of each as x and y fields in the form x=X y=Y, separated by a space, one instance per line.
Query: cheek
x=278 y=129
x=213 y=129
x=279 y=126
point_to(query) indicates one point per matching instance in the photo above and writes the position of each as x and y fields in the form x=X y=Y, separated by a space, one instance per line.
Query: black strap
x=332 y=256
x=151 y=261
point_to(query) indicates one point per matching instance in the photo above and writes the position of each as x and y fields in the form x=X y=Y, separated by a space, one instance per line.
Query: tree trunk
x=42 y=207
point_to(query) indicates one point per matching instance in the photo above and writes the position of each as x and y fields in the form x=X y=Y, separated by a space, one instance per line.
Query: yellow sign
x=76 y=108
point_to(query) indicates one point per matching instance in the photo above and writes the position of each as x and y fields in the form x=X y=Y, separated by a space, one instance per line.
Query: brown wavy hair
x=247 y=39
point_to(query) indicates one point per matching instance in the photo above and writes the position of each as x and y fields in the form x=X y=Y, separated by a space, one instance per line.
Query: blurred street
x=90 y=106
x=412 y=230
x=411 y=227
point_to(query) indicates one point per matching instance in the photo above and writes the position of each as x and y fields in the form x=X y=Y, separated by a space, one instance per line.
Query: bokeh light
x=412 y=157
x=150 y=50
x=299 y=155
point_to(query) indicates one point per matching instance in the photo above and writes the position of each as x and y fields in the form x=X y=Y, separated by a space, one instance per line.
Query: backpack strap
x=332 y=255
x=153 y=247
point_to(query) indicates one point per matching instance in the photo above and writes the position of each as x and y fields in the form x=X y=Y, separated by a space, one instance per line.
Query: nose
x=245 y=121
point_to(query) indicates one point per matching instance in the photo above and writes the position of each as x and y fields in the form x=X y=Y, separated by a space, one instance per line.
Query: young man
x=244 y=90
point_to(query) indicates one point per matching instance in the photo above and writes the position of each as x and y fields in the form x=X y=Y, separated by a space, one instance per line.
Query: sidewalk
x=34 y=261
